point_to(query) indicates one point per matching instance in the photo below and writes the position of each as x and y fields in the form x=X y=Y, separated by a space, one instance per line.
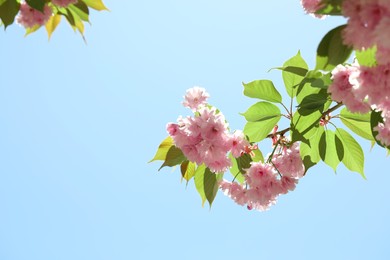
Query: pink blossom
x=289 y=162
x=342 y=90
x=383 y=135
x=287 y=184
x=312 y=6
x=235 y=191
x=30 y=17
x=195 y=97
x=63 y=3
x=238 y=144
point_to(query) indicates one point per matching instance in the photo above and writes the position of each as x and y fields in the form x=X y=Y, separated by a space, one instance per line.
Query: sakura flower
x=312 y=6
x=195 y=97
x=289 y=162
x=238 y=144
x=30 y=17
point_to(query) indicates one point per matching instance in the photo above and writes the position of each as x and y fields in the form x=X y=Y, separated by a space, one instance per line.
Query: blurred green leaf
x=366 y=57
x=52 y=24
x=353 y=153
x=8 y=10
x=95 y=4
x=262 y=89
x=332 y=51
x=37 y=4
x=81 y=10
x=331 y=7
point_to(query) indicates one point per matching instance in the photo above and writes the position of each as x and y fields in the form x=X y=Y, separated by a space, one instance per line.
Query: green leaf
x=37 y=4
x=257 y=131
x=331 y=7
x=328 y=150
x=313 y=102
x=174 y=157
x=304 y=127
x=52 y=24
x=366 y=57
x=293 y=79
x=332 y=51
x=235 y=171
x=96 y=4
x=262 y=89
x=187 y=169
x=206 y=183
x=359 y=123
x=322 y=82
x=353 y=153
x=261 y=111
x=8 y=10
x=312 y=148
x=376 y=118
x=163 y=149
x=2 y=2
x=81 y=10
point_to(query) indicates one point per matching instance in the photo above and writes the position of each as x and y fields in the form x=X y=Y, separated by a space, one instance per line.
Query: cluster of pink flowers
x=204 y=137
x=30 y=17
x=264 y=182
x=363 y=88
x=63 y=3
x=368 y=26
x=312 y=6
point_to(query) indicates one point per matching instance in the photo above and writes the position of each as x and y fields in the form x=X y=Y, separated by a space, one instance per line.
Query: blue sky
x=79 y=122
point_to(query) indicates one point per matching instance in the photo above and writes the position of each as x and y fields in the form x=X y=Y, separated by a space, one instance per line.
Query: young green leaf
x=174 y=157
x=292 y=80
x=52 y=24
x=206 y=183
x=332 y=51
x=366 y=57
x=261 y=111
x=358 y=123
x=187 y=169
x=258 y=131
x=96 y=4
x=163 y=149
x=353 y=153
x=262 y=89
x=328 y=150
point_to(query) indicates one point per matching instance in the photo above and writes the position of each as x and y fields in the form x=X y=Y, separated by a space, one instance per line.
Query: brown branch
x=327 y=112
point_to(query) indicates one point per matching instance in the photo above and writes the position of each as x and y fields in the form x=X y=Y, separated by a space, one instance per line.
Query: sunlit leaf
x=359 y=123
x=292 y=79
x=81 y=9
x=163 y=149
x=332 y=51
x=187 y=169
x=96 y=4
x=353 y=153
x=327 y=149
x=366 y=57
x=174 y=157
x=261 y=111
x=52 y=24
x=262 y=89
